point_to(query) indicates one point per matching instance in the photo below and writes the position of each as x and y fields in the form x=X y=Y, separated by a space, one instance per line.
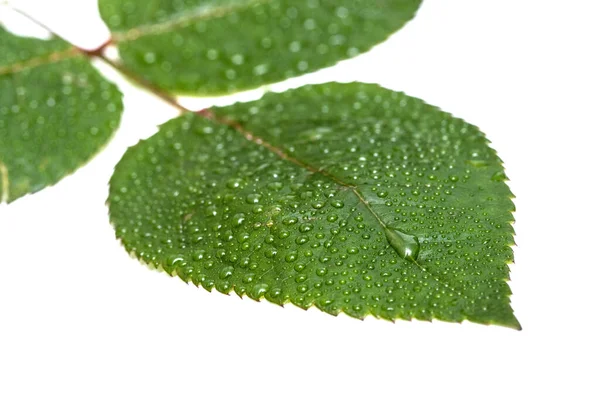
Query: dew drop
x=261 y=69
x=302 y=239
x=290 y=221
x=226 y=272
x=299 y=267
x=253 y=198
x=223 y=287
x=242 y=237
x=234 y=183
x=337 y=203
x=238 y=219
x=318 y=205
x=258 y=290
x=211 y=211
x=237 y=59
x=291 y=257
x=275 y=186
x=212 y=54
x=407 y=246
x=174 y=261
x=150 y=58
x=499 y=177
x=302 y=288
x=306 y=227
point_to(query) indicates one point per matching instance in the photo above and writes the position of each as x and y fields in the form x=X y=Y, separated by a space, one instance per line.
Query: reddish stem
x=99 y=51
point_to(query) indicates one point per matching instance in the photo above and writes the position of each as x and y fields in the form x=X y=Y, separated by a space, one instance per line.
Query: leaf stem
x=172 y=101
x=99 y=52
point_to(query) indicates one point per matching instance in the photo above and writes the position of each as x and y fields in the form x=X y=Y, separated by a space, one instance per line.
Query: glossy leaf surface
x=214 y=47
x=348 y=197
x=56 y=111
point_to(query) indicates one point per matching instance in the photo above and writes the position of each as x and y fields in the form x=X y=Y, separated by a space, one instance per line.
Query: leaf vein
x=38 y=61
x=250 y=136
x=181 y=21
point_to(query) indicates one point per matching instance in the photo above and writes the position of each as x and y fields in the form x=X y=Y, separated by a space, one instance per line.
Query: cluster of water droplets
x=47 y=131
x=247 y=43
x=363 y=217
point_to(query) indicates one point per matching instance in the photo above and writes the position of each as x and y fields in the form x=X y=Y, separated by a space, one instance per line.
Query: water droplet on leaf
x=407 y=246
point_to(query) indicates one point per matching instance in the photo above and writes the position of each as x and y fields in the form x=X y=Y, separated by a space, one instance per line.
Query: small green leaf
x=56 y=111
x=222 y=46
x=348 y=197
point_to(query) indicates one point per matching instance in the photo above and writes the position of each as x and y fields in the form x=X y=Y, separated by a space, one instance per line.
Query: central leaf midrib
x=250 y=136
x=181 y=21
x=46 y=59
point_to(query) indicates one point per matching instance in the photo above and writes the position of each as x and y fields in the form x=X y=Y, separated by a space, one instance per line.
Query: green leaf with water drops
x=56 y=111
x=348 y=197
x=204 y=47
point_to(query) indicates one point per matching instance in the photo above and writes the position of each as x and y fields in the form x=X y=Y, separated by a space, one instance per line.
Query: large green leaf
x=208 y=47
x=56 y=111
x=349 y=197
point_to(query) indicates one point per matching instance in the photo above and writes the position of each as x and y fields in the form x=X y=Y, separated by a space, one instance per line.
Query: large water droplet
x=258 y=290
x=337 y=203
x=407 y=246
x=226 y=272
x=234 y=183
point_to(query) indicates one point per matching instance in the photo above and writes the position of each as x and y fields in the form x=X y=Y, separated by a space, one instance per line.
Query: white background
x=80 y=319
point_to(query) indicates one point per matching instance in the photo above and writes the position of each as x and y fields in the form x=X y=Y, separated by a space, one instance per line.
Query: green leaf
x=56 y=111
x=348 y=197
x=222 y=46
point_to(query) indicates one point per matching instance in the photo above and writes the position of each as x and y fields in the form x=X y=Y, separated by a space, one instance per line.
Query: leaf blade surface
x=218 y=47
x=56 y=112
